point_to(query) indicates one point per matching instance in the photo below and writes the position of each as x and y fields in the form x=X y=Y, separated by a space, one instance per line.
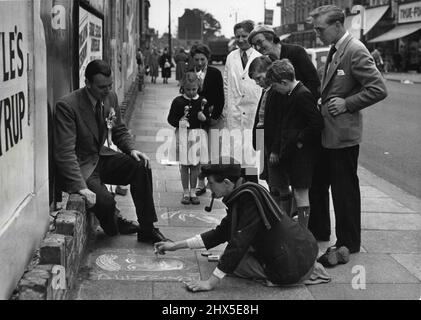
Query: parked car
x=219 y=50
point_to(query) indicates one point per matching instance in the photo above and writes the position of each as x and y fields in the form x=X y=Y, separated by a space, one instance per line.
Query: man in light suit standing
x=351 y=82
x=242 y=94
x=84 y=119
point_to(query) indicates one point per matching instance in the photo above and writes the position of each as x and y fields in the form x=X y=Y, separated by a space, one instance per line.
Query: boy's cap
x=261 y=29
x=224 y=167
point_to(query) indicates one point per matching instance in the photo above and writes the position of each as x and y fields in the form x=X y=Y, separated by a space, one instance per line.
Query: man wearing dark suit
x=84 y=119
x=351 y=82
x=264 y=39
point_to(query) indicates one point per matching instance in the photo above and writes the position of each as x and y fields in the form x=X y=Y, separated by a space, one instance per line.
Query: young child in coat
x=189 y=114
x=299 y=131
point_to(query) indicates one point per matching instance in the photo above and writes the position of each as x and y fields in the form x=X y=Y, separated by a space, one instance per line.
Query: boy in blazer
x=351 y=82
x=299 y=132
x=84 y=119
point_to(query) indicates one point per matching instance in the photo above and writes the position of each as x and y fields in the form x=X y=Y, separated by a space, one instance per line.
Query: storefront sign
x=16 y=134
x=410 y=12
x=90 y=41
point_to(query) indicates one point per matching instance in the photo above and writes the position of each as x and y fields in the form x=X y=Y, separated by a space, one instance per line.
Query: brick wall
x=60 y=254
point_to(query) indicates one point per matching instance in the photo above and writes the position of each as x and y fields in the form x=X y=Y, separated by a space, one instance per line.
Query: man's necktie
x=330 y=57
x=99 y=119
x=244 y=59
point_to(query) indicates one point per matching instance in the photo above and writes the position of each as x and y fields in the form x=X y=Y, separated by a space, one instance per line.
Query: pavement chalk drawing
x=112 y=262
x=124 y=265
x=183 y=216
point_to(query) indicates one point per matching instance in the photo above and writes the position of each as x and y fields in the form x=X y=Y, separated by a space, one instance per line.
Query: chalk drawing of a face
x=112 y=262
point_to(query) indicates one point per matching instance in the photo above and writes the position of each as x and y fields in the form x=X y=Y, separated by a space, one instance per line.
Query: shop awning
x=398 y=32
x=284 y=36
x=372 y=16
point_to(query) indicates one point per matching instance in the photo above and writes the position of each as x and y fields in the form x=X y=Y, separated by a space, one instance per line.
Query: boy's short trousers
x=300 y=166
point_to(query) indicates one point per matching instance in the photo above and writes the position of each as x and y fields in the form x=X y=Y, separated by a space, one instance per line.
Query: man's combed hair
x=333 y=13
x=97 y=67
x=281 y=70
x=247 y=25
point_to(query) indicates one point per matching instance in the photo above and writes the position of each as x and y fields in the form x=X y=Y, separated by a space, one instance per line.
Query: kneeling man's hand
x=89 y=196
x=137 y=155
x=163 y=246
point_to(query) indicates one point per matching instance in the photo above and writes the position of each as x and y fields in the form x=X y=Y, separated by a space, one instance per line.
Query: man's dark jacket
x=213 y=90
x=286 y=251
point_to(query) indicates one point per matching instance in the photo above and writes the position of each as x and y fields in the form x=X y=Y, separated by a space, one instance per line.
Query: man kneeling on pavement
x=264 y=244
x=84 y=119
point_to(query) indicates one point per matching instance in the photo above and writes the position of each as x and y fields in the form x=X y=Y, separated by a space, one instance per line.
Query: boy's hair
x=260 y=64
x=97 y=67
x=281 y=70
x=189 y=78
x=226 y=168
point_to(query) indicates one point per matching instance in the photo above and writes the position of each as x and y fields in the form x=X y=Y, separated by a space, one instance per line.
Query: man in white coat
x=242 y=96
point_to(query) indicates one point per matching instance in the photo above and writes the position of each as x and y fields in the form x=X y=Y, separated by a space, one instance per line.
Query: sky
x=225 y=11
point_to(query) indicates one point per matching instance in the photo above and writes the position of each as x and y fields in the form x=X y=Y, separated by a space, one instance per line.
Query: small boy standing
x=299 y=131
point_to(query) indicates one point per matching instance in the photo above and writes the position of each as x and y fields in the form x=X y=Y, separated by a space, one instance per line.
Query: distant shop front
x=406 y=38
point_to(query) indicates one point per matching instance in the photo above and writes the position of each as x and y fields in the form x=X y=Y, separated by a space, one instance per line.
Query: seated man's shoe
x=200 y=191
x=127 y=226
x=334 y=256
x=151 y=237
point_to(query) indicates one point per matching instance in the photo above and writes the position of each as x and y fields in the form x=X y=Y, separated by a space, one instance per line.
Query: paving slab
x=390 y=221
x=375 y=291
x=391 y=241
x=115 y=290
x=383 y=205
x=237 y=289
x=379 y=268
x=412 y=262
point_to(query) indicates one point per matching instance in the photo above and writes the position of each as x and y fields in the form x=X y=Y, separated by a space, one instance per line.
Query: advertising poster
x=90 y=41
x=16 y=131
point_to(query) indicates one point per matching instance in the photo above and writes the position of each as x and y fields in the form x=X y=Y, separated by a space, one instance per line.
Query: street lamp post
x=169 y=29
x=361 y=9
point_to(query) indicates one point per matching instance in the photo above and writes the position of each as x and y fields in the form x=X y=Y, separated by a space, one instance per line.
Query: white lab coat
x=242 y=96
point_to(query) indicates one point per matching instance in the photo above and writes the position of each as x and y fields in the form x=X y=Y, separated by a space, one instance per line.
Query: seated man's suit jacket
x=353 y=76
x=77 y=146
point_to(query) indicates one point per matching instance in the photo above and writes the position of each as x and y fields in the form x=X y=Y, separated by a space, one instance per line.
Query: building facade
x=394 y=26
x=45 y=48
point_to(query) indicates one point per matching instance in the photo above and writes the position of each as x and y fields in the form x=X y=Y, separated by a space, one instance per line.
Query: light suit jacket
x=77 y=146
x=354 y=77
x=242 y=94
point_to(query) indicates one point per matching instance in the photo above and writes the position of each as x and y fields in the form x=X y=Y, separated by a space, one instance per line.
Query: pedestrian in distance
x=165 y=62
x=181 y=63
x=84 y=119
x=299 y=131
x=351 y=82
x=264 y=244
x=189 y=114
x=153 y=64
